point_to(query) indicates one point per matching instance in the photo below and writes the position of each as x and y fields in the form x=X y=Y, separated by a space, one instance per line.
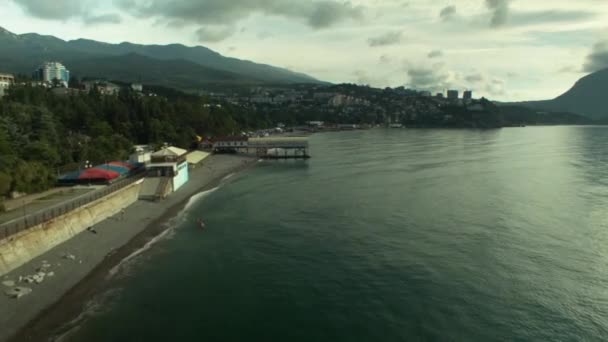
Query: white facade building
x=6 y=81
x=50 y=71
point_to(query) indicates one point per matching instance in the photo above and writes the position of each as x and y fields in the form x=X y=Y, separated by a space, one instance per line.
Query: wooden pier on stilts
x=279 y=147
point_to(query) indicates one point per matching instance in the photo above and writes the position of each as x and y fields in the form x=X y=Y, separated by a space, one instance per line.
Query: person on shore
x=122 y=214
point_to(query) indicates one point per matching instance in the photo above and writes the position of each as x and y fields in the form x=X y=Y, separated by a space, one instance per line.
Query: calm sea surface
x=385 y=235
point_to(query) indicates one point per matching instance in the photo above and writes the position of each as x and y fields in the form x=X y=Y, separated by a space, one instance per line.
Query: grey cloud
x=598 y=58
x=474 y=78
x=103 y=19
x=67 y=9
x=551 y=16
x=213 y=34
x=502 y=15
x=495 y=87
x=326 y=13
x=54 y=10
x=385 y=59
x=363 y=78
x=428 y=79
x=389 y=38
x=437 y=78
x=318 y=14
x=435 y=54
x=568 y=69
x=500 y=12
x=447 y=13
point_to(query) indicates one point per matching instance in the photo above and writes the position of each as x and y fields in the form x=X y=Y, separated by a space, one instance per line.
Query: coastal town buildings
x=48 y=72
x=467 y=95
x=137 y=87
x=452 y=94
x=6 y=80
x=103 y=87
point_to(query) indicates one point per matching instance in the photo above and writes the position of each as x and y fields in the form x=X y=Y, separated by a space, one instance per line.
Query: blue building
x=50 y=71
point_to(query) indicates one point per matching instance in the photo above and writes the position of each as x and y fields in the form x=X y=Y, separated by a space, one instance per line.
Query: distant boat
x=395 y=126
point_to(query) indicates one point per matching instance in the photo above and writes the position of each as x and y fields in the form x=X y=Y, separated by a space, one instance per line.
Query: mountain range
x=587 y=97
x=193 y=68
x=174 y=65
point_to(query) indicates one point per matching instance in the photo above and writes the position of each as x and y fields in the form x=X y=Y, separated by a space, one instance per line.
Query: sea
x=384 y=235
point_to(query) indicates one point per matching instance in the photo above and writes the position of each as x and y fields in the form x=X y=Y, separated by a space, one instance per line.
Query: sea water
x=386 y=235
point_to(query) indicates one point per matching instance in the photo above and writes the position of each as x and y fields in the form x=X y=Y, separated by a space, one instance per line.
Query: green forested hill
x=587 y=97
x=88 y=58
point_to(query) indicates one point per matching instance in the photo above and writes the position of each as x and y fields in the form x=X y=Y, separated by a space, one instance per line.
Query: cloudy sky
x=502 y=49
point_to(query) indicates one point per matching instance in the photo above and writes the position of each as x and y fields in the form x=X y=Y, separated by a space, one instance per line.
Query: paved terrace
x=51 y=199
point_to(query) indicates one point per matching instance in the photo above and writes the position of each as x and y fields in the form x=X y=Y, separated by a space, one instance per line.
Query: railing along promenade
x=29 y=220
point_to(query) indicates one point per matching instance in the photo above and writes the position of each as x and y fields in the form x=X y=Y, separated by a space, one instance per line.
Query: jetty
x=279 y=147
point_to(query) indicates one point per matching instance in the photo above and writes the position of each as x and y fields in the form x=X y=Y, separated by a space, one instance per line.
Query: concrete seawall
x=23 y=247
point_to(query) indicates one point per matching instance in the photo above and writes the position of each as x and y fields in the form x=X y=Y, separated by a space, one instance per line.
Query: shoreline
x=69 y=304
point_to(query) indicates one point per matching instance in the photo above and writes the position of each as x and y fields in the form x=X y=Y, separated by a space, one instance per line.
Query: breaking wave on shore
x=123 y=263
x=228 y=176
x=194 y=199
x=166 y=234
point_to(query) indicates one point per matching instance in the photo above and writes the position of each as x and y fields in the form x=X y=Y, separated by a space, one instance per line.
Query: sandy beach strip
x=61 y=297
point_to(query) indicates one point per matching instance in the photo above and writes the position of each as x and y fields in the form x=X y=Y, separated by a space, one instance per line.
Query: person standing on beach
x=122 y=214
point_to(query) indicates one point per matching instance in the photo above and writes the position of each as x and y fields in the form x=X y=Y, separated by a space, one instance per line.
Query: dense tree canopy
x=42 y=134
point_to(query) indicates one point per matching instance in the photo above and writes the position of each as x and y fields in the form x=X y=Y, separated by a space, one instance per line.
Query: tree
x=56 y=83
x=42 y=152
x=5 y=183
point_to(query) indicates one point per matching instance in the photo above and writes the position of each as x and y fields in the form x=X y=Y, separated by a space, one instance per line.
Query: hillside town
x=344 y=104
x=349 y=104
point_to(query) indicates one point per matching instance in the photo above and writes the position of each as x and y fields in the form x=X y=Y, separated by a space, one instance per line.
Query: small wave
x=199 y=196
x=148 y=245
x=168 y=233
x=228 y=177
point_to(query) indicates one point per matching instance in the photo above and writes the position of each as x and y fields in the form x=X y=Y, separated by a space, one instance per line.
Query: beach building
x=315 y=124
x=6 y=80
x=169 y=163
x=142 y=154
x=196 y=158
x=230 y=144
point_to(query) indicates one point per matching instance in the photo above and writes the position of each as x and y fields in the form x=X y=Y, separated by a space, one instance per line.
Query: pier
x=279 y=147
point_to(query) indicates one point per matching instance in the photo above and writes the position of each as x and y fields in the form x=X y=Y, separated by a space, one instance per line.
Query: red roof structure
x=95 y=174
